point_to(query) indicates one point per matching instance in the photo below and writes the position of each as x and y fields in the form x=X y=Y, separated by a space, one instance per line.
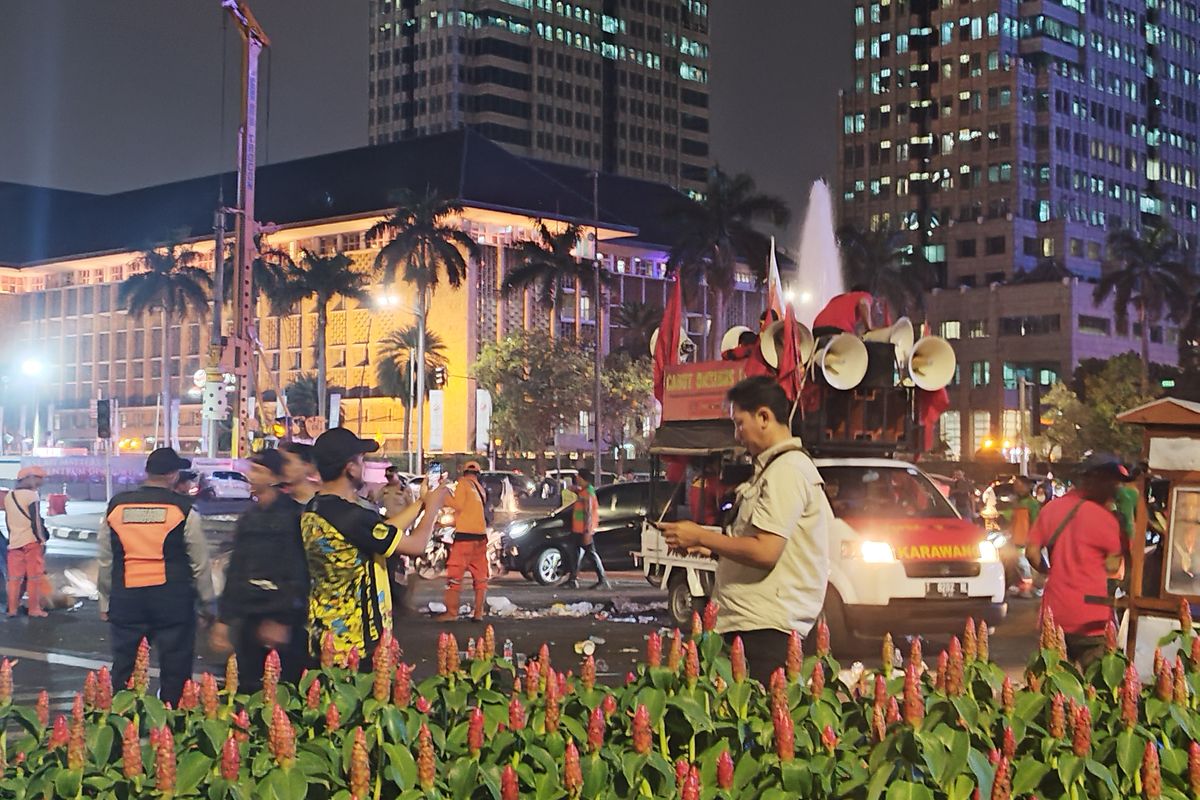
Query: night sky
x=105 y=95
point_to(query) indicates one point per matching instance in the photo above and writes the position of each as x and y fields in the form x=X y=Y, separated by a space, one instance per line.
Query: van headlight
x=988 y=553
x=869 y=552
x=519 y=529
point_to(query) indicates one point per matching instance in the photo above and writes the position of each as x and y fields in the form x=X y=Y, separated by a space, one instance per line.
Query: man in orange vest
x=469 y=551
x=585 y=519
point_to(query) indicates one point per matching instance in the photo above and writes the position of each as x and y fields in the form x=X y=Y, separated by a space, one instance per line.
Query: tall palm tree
x=543 y=265
x=394 y=371
x=1150 y=274
x=422 y=242
x=639 y=321
x=881 y=260
x=171 y=283
x=322 y=278
x=718 y=229
x=302 y=395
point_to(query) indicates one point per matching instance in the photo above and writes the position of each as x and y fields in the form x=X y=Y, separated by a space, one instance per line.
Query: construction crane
x=235 y=354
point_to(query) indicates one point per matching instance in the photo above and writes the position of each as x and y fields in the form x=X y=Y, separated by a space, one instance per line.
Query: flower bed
x=687 y=724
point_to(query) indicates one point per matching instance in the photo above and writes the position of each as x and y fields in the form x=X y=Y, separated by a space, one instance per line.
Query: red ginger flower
x=817 y=684
x=610 y=706
x=544 y=658
x=785 y=733
x=312 y=698
x=878 y=725
x=1056 y=725
x=487 y=644
x=6 y=682
x=587 y=673
x=737 y=658
x=941 y=679
x=423 y=705
x=1033 y=681
x=381 y=667
x=915 y=656
x=43 y=708
x=231 y=676
x=822 y=639
x=164 y=761
x=354 y=658
x=595 y=729
x=190 y=697
x=1194 y=768
x=282 y=738
x=1081 y=739
x=1047 y=634
x=675 y=654
x=1060 y=643
x=516 y=713
x=881 y=692
x=955 y=678
x=969 y=645
x=893 y=711
x=241 y=725
x=1007 y=699
x=139 y=680
x=829 y=739
x=402 y=686
x=795 y=656
x=1185 y=617
x=360 y=763
x=553 y=711
x=89 y=687
x=333 y=717
x=209 y=695
x=572 y=773
x=641 y=731
x=725 y=770
x=1008 y=745
x=697 y=626
x=1110 y=637
x=691 y=664
x=77 y=708
x=76 y=743
x=1131 y=690
x=691 y=785
x=914 y=703
x=887 y=655
x=131 y=751
x=710 y=616
x=533 y=678
x=475 y=731
x=1164 y=682
x=510 y=785
x=231 y=759
x=982 y=646
x=681 y=770
x=59 y=733
x=1181 y=686
x=328 y=651
x=1002 y=785
x=654 y=649
x=104 y=690
x=1151 y=774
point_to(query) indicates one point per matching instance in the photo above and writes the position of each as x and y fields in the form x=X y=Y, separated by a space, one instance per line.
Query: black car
x=538 y=547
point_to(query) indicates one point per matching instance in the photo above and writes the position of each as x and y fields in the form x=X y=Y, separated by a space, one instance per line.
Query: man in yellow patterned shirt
x=347 y=546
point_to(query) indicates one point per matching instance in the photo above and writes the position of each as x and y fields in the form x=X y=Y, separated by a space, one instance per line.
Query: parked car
x=568 y=475
x=224 y=485
x=537 y=548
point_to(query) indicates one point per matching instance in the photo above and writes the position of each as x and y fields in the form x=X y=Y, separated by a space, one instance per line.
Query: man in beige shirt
x=773 y=565
x=26 y=542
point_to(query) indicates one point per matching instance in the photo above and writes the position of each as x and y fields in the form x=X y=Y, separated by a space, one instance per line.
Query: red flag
x=666 y=351
x=789 y=358
x=774 y=309
x=930 y=406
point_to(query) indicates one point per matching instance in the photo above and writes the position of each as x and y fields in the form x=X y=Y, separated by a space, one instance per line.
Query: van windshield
x=883 y=493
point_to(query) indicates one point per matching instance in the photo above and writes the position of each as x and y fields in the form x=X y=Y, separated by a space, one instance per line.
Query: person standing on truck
x=468 y=553
x=26 y=557
x=1082 y=538
x=849 y=312
x=773 y=566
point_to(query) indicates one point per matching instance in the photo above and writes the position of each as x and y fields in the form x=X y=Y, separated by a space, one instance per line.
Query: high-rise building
x=1006 y=139
x=616 y=86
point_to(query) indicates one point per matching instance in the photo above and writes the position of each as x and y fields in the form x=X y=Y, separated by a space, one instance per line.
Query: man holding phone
x=468 y=553
x=347 y=546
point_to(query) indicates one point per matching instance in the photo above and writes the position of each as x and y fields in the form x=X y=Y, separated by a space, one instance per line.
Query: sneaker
x=571 y=584
x=604 y=584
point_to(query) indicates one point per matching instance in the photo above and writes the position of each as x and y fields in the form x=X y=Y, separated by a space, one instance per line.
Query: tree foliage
x=626 y=397
x=639 y=321
x=537 y=385
x=884 y=263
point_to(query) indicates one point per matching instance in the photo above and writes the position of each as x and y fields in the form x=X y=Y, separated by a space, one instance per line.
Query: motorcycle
x=432 y=563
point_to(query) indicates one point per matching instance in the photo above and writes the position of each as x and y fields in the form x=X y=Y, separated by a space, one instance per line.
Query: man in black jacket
x=264 y=605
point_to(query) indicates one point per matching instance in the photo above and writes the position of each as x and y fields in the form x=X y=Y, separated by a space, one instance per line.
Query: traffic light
x=103 y=419
x=439 y=377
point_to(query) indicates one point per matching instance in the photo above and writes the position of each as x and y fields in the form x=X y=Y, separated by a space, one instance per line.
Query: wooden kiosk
x=1171 y=446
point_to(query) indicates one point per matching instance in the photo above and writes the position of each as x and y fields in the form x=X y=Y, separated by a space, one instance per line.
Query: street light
x=33 y=368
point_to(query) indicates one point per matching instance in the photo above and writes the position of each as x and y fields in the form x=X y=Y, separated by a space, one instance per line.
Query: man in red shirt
x=1082 y=538
x=849 y=312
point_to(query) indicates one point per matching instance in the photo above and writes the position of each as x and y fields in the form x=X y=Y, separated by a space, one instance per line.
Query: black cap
x=164 y=461
x=271 y=459
x=338 y=446
x=1106 y=464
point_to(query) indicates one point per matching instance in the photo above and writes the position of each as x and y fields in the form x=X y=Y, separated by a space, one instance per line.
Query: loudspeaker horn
x=731 y=337
x=899 y=333
x=931 y=363
x=686 y=346
x=770 y=343
x=844 y=361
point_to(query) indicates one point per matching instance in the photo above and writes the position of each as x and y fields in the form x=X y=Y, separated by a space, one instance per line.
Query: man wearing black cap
x=265 y=601
x=153 y=560
x=348 y=544
x=1082 y=538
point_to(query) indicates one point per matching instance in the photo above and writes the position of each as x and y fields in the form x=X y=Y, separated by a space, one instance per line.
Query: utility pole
x=597 y=317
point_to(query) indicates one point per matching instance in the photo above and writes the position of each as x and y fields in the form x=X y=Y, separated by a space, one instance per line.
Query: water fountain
x=819 y=272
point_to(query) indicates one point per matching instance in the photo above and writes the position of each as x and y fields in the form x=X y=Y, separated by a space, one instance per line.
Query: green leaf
x=1103 y=773
x=1070 y=768
x=1174 y=760
x=401 y=759
x=655 y=701
x=692 y=711
x=595 y=776
x=1028 y=775
x=956 y=761
x=192 y=768
x=215 y=734
x=796 y=778
x=746 y=768
x=962 y=788
x=1028 y=705
x=879 y=781
x=68 y=783
x=479 y=670
x=1130 y=747
x=1069 y=685
x=968 y=709
x=100 y=742
x=906 y=790
x=155 y=711
x=980 y=768
x=289 y=784
x=1112 y=668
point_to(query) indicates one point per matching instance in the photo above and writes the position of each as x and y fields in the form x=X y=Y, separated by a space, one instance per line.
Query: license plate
x=945 y=589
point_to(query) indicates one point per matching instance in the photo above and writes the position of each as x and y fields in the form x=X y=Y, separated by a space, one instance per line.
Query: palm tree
x=269 y=270
x=322 y=278
x=718 y=229
x=545 y=263
x=882 y=261
x=639 y=321
x=171 y=283
x=1150 y=274
x=423 y=242
x=302 y=395
x=394 y=371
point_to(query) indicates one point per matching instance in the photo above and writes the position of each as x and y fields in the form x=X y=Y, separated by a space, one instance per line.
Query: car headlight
x=519 y=529
x=988 y=552
x=877 y=552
